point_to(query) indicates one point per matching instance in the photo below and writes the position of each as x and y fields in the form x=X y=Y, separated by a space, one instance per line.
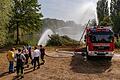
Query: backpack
x=20 y=58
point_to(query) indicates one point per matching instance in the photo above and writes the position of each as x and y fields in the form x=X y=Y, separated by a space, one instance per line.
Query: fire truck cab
x=99 y=41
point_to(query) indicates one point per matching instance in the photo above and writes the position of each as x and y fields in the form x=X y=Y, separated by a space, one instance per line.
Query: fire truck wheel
x=89 y=57
x=109 y=58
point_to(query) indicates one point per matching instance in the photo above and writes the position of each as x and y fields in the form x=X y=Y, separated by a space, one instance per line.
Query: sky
x=79 y=11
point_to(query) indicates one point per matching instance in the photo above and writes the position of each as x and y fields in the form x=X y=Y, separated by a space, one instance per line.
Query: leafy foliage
x=106 y=21
x=103 y=13
x=56 y=40
x=31 y=39
x=5 y=8
x=117 y=44
x=115 y=15
x=26 y=17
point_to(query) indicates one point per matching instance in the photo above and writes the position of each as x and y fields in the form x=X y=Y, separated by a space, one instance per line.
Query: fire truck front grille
x=101 y=47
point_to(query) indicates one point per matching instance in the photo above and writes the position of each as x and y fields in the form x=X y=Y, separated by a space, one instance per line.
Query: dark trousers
x=36 y=59
x=27 y=57
x=32 y=61
x=42 y=58
x=11 y=66
x=30 y=55
x=19 y=68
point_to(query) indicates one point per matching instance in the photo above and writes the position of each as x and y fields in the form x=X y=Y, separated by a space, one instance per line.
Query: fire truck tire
x=88 y=57
x=109 y=58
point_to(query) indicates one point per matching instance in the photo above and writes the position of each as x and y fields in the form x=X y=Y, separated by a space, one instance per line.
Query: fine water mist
x=72 y=32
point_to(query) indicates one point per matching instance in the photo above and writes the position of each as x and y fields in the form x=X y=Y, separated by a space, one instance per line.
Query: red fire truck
x=99 y=41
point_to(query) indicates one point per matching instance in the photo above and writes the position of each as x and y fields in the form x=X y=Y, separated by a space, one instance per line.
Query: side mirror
x=85 y=38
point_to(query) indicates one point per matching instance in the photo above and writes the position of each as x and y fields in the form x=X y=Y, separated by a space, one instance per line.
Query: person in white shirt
x=36 y=54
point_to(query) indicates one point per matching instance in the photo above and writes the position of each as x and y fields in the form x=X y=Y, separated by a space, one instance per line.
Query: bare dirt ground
x=66 y=68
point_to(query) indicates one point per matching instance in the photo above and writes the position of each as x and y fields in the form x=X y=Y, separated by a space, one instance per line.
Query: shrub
x=56 y=40
x=117 y=44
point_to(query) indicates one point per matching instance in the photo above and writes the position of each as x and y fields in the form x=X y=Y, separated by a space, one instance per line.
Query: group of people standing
x=21 y=57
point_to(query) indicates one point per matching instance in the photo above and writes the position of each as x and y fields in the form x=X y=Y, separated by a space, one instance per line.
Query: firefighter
x=42 y=50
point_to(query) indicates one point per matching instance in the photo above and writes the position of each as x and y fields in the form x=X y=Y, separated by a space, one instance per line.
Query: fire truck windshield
x=101 y=37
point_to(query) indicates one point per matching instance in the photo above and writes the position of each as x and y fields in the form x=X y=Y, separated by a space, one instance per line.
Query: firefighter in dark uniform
x=42 y=50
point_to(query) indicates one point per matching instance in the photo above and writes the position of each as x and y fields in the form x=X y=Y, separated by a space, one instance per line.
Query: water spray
x=45 y=37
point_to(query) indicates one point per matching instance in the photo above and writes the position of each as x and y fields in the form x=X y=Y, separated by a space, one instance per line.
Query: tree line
x=5 y=8
x=24 y=17
x=109 y=16
x=19 y=17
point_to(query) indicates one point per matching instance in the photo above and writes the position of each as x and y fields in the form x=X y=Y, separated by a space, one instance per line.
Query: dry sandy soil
x=68 y=68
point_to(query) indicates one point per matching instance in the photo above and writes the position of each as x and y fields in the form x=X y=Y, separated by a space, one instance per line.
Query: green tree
x=106 y=21
x=115 y=15
x=102 y=11
x=5 y=8
x=26 y=17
